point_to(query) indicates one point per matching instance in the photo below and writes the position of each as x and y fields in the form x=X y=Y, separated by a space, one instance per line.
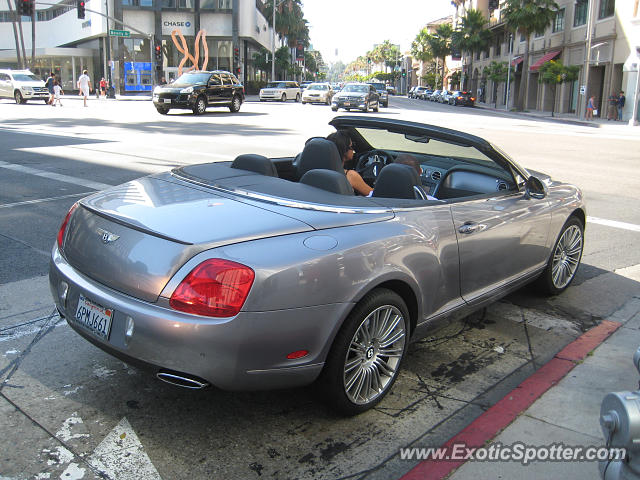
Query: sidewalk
x=575 y=381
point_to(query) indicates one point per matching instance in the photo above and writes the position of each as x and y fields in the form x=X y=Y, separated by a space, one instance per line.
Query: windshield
x=318 y=87
x=23 y=77
x=356 y=88
x=386 y=140
x=378 y=86
x=192 y=78
x=275 y=85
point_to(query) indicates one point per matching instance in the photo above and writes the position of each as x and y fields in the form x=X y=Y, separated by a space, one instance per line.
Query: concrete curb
x=504 y=412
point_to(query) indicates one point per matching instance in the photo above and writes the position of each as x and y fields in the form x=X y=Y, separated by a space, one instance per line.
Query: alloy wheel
x=374 y=354
x=566 y=256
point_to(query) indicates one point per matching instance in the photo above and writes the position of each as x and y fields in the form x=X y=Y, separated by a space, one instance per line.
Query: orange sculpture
x=184 y=49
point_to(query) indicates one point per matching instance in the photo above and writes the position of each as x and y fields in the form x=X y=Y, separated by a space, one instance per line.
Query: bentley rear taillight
x=63 y=227
x=215 y=288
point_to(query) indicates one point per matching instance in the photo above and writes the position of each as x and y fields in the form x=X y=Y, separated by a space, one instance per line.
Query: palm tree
x=421 y=49
x=440 y=45
x=473 y=36
x=528 y=17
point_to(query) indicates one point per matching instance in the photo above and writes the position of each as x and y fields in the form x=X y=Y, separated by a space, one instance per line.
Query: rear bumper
x=245 y=352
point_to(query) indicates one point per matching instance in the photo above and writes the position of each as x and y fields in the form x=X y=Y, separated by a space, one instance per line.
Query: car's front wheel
x=366 y=355
x=377 y=107
x=235 y=104
x=200 y=107
x=283 y=98
x=162 y=110
x=18 y=97
x=335 y=109
x=565 y=258
x=298 y=97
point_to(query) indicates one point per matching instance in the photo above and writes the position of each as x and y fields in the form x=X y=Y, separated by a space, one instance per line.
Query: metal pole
x=107 y=52
x=636 y=98
x=587 y=60
x=506 y=105
x=33 y=36
x=273 y=44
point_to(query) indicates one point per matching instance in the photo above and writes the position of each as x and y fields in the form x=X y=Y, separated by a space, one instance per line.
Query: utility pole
x=587 y=59
x=506 y=104
x=33 y=34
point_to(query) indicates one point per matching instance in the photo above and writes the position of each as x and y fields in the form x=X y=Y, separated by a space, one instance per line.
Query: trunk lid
x=134 y=237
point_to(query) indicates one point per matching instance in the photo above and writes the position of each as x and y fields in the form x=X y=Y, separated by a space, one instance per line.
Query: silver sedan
x=267 y=273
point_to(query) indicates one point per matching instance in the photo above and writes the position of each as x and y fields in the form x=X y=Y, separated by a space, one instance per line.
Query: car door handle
x=469 y=227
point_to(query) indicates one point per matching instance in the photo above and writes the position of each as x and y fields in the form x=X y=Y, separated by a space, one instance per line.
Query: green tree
x=290 y=21
x=440 y=45
x=283 y=64
x=497 y=73
x=555 y=73
x=473 y=36
x=528 y=17
x=421 y=50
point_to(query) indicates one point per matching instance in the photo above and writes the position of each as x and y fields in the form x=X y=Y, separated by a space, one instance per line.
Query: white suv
x=22 y=85
x=282 y=90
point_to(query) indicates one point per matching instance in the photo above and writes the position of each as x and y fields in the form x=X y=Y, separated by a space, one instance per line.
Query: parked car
x=391 y=90
x=425 y=94
x=434 y=97
x=382 y=93
x=282 y=91
x=22 y=86
x=411 y=90
x=317 y=93
x=359 y=96
x=417 y=92
x=270 y=273
x=444 y=96
x=461 y=98
x=305 y=84
x=197 y=90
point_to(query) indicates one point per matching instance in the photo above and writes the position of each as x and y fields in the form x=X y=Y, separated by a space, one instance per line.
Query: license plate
x=94 y=317
x=167 y=100
x=346 y=104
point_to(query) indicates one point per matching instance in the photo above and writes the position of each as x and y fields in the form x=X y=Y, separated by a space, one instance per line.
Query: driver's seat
x=319 y=153
x=398 y=181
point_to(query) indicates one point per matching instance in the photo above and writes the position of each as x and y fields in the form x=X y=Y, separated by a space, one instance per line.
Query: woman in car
x=345 y=149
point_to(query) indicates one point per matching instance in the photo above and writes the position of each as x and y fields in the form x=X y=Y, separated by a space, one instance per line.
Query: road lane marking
x=55 y=176
x=42 y=200
x=614 y=224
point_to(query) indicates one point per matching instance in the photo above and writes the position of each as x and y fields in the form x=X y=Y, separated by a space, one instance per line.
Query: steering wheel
x=370 y=163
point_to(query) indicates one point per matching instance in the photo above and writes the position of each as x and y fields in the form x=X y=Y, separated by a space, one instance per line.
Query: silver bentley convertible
x=269 y=273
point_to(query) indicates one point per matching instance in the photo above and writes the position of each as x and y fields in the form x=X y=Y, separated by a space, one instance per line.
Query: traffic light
x=236 y=56
x=404 y=72
x=157 y=51
x=80 y=6
x=27 y=8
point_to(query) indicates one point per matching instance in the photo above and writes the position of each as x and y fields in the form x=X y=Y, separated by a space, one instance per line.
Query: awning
x=516 y=61
x=544 y=59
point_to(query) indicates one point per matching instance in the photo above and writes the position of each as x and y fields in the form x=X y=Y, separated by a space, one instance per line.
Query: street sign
x=119 y=33
x=583 y=89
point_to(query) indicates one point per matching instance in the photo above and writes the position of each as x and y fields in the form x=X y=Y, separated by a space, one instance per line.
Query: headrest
x=329 y=180
x=255 y=163
x=397 y=181
x=319 y=153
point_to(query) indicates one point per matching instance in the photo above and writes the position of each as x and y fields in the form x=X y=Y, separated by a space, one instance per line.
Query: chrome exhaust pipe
x=182 y=381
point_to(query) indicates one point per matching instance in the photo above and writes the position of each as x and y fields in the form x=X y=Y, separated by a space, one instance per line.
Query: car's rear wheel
x=366 y=355
x=200 y=107
x=298 y=97
x=235 y=104
x=565 y=258
x=162 y=110
x=18 y=98
x=283 y=98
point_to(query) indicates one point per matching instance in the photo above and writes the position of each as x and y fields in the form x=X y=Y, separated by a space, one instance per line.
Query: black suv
x=198 y=90
x=381 y=88
x=461 y=98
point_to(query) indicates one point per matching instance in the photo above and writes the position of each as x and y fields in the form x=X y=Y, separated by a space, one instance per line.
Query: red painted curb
x=505 y=411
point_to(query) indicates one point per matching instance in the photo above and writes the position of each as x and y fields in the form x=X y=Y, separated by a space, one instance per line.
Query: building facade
x=609 y=29
x=66 y=45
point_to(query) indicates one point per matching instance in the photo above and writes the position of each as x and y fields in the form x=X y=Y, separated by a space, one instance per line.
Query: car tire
x=235 y=104
x=283 y=98
x=304 y=103
x=201 y=106
x=162 y=110
x=297 y=98
x=17 y=96
x=262 y=100
x=565 y=258
x=46 y=101
x=377 y=107
x=385 y=104
x=328 y=102
x=367 y=353
x=334 y=109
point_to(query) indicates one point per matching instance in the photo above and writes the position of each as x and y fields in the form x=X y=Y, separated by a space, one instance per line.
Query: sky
x=353 y=27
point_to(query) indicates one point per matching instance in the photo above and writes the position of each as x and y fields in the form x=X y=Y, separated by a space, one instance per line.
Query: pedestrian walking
x=590 y=108
x=57 y=93
x=620 y=104
x=49 y=84
x=612 y=110
x=84 y=86
x=103 y=87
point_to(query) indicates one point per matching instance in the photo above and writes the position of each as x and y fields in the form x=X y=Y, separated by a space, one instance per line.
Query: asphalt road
x=69 y=410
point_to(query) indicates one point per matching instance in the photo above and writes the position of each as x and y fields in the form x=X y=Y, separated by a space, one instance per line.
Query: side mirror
x=534 y=188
